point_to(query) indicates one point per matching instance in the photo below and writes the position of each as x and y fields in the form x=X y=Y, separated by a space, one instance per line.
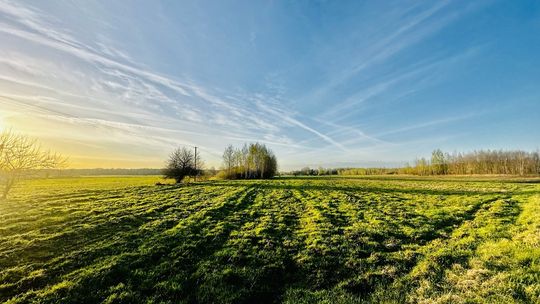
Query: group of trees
x=251 y=161
x=478 y=162
x=20 y=157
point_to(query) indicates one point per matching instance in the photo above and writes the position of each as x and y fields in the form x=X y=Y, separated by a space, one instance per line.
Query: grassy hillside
x=293 y=240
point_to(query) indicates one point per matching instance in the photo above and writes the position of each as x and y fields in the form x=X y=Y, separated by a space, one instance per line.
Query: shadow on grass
x=438 y=178
x=272 y=185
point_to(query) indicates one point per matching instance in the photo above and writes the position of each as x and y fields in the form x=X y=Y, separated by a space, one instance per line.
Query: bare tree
x=20 y=155
x=182 y=163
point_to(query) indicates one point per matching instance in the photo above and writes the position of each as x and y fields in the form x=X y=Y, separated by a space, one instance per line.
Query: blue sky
x=330 y=83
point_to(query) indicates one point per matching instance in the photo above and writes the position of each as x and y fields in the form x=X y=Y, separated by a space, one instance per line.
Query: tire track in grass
x=506 y=269
x=380 y=256
x=98 y=207
x=200 y=237
x=377 y=250
x=146 y=213
x=214 y=233
x=321 y=231
x=166 y=255
x=85 y=242
x=29 y=212
x=373 y=233
x=325 y=240
x=361 y=233
x=392 y=249
x=426 y=280
x=441 y=214
x=97 y=242
x=370 y=233
x=257 y=261
x=93 y=224
x=23 y=204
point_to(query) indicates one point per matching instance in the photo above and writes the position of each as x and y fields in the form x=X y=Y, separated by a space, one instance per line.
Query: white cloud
x=131 y=93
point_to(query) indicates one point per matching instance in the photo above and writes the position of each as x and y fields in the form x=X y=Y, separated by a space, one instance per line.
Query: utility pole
x=196 y=164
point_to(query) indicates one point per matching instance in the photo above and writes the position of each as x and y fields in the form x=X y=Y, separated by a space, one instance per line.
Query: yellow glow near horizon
x=3 y=125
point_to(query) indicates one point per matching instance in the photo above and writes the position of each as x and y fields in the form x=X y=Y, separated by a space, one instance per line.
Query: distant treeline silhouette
x=314 y=172
x=495 y=162
x=253 y=161
x=99 y=171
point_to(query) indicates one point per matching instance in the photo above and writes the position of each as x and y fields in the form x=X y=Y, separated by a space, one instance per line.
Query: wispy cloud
x=417 y=77
x=145 y=93
x=406 y=29
x=286 y=117
x=317 y=86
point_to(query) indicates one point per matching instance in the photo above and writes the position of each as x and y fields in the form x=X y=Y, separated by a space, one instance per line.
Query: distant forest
x=97 y=172
x=496 y=162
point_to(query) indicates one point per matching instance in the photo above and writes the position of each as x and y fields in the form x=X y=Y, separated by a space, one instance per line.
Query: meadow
x=285 y=240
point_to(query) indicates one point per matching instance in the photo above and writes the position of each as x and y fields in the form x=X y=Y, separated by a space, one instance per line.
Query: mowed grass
x=292 y=240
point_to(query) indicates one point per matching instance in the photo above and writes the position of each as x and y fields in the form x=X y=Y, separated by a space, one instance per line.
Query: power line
x=196 y=172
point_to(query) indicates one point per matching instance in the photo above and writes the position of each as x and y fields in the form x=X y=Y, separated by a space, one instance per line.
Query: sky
x=321 y=83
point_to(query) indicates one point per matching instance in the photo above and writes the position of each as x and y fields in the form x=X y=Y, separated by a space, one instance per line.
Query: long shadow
x=274 y=267
x=507 y=217
x=110 y=233
x=323 y=264
x=358 y=188
x=179 y=249
x=364 y=286
x=444 y=179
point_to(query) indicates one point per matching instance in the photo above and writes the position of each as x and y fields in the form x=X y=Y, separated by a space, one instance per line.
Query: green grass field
x=292 y=240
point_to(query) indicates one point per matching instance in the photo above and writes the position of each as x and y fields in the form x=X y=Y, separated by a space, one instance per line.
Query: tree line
x=515 y=162
x=97 y=172
x=495 y=162
x=249 y=162
x=369 y=171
